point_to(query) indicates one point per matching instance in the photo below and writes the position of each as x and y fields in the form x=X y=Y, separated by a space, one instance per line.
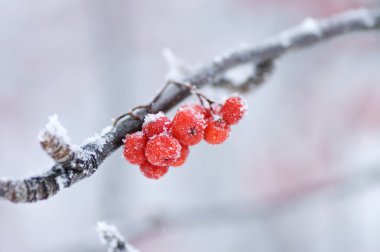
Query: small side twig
x=56 y=144
x=260 y=74
x=110 y=236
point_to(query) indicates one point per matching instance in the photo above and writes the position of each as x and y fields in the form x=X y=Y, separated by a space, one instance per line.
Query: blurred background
x=301 y=172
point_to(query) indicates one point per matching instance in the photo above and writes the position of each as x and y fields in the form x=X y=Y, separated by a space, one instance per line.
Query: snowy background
x=300 y=173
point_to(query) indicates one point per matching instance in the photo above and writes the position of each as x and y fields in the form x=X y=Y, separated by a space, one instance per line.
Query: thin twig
x=55 y=142
x=110 y=236
x=304 y=35
x=259 y=75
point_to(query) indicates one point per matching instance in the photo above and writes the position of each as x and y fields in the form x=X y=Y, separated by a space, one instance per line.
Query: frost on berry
x=185 y=150
x=153 y=171
x=188 y=126
x=217 y=131
x=155 y=124
x=233 y=109
x=162 y=150
x=134 y=147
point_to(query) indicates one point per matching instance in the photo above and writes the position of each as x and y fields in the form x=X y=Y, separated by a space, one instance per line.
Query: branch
x=110 y=236
x=91 y=154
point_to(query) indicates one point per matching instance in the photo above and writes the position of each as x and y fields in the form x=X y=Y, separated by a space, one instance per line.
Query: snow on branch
x=110 y=236
x=94 y=151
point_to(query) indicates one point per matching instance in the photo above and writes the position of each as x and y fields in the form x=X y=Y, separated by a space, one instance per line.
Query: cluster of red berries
x=164 y=142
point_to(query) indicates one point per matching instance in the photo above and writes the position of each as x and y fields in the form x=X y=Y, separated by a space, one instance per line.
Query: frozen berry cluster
x=164 y=142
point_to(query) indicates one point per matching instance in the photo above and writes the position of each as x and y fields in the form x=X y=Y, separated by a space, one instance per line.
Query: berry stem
x=197 y=92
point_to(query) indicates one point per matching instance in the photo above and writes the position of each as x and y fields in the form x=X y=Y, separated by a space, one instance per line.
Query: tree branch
x=91 y=154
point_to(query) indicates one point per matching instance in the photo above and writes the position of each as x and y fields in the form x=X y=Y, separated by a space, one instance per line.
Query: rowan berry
x=196 y=107
x=134 y=147
x=188 y=126
x=162 y=150
x=217 y=131
x=153 y=171
x=185 y=150
x=155 y=124
x=233 y=109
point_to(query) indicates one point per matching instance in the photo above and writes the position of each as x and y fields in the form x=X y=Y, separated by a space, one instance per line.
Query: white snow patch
x=239 y=74
x=84 y=155
x=54 y=128
x=97 y=140
x=311 y=25
x=243 y=46
x=363 y=14
x=152 y=117
x=100 y=140
x=106 y=130
x=308 y=26
x=61 y=182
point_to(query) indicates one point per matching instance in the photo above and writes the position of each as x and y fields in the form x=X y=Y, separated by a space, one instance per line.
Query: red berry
x=217 y=131
x=155 y=124
x=152 y=171
x=233 y=109
x=134 y=147
x=162 y=150
x=182 y=158
x=188 y=126
x=196 y=107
